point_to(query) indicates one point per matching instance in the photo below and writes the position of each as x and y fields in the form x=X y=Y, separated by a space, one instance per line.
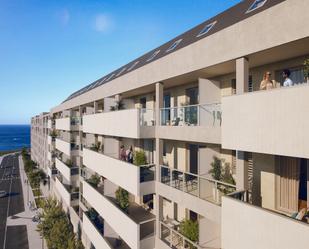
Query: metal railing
x=147 y=172
x=200 y=186
x=76 y=121
x=209 y=115
x=174 y=239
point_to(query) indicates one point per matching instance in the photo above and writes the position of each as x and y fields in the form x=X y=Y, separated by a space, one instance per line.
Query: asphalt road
x=12 y=237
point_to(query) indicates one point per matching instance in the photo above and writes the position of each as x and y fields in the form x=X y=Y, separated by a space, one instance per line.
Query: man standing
x=286 y=76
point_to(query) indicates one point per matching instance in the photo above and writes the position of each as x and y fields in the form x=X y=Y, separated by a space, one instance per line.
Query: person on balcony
x=130 y=155
x=122 y=153
x=267 y=83
x=286 y=76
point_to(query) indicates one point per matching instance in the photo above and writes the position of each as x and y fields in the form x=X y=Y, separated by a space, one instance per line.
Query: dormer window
x=153 y=55
x=206 y=29
x=173 y=46
x=257 y=4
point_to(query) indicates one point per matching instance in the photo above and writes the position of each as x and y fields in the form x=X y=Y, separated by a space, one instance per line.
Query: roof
x=221 y=21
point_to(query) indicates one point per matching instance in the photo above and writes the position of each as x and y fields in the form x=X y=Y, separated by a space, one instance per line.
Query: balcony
x=76 y=123
x=133 y=123
x=49 y=124
x=51 y=172
x=63 y=146
x=197 y=185
x=199 y=123
x=63 y=124
x=95 y=232
x=264 y=121
x=134 y=227
x=138 y=180
x=67 y=170
x=68 y=195
x=247 y=226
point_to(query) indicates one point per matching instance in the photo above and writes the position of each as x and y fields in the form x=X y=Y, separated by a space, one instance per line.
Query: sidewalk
x=25 y=218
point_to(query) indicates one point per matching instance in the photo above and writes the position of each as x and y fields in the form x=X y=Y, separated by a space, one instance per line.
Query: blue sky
x=48 y=49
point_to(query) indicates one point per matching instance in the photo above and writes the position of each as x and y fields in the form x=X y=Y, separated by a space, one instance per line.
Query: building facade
x=180 y=148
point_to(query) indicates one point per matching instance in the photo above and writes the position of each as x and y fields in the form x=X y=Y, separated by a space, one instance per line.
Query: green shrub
x=216 y=168
x=94 y=180
x=140 y=158
x=189 y=229
x=122 y=199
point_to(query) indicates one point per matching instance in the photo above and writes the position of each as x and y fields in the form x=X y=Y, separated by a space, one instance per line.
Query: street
x=11 y=237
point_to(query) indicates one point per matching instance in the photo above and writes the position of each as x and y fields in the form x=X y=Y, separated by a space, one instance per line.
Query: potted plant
x=122 y=199
x=119 y=105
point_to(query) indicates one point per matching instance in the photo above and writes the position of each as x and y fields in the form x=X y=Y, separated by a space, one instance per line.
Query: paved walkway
x=25 y=218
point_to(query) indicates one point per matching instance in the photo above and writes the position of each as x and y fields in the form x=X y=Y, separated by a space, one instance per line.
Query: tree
x=60 y=234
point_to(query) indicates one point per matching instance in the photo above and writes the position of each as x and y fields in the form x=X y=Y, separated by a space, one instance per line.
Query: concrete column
x=117 y=97
x=95 y=107
x=242 y=80
x=159 y=101
x=241 y=171
x=242 y=75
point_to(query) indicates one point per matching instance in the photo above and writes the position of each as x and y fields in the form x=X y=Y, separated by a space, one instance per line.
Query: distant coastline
x=14 y=137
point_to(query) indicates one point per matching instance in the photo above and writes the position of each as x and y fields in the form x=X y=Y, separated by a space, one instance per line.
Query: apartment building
x=39 y=137
x=181 y=149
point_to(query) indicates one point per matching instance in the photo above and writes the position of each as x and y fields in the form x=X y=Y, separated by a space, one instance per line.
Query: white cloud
x=103 y=23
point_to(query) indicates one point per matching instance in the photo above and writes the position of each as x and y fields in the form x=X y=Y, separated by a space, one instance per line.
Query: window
x=122 y=70
x=173 y=46
x=153 y=55
x=257 y=4
x=133 y=65
x=206 y=29
x=297 y=75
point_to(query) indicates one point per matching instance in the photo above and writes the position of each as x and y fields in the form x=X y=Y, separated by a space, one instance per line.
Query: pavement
x=17 y=230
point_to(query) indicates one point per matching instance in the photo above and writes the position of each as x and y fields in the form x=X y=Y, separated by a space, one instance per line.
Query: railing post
x=216 y=191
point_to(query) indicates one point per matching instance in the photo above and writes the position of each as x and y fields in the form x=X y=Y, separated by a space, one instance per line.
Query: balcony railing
x=174 y=239
x=200 y=186
x=209 y=115
x=146 y=117
x=76 y=121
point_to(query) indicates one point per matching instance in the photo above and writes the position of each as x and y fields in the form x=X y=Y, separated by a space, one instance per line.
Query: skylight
x=173 y=46
x=133 y=65
x=206 y=29
x=122 y=70
x=257 y=4
x=153 y=55
x=110 y=76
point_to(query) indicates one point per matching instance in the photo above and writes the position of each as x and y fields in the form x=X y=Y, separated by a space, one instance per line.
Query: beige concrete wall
x=202 y=207
x=127 y=229
x=263 y=191
x=92 y=233
x=123 y=174
x=63 y=146
x=272 y=122
x=63 y=124
x=245 y=226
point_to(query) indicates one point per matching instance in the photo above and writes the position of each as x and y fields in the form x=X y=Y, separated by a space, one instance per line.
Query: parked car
x=2 y=193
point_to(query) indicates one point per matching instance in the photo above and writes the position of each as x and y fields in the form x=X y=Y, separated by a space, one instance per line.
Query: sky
x=49 y=49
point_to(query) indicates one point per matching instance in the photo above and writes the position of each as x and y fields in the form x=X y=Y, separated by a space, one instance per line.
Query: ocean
x=13 y=137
